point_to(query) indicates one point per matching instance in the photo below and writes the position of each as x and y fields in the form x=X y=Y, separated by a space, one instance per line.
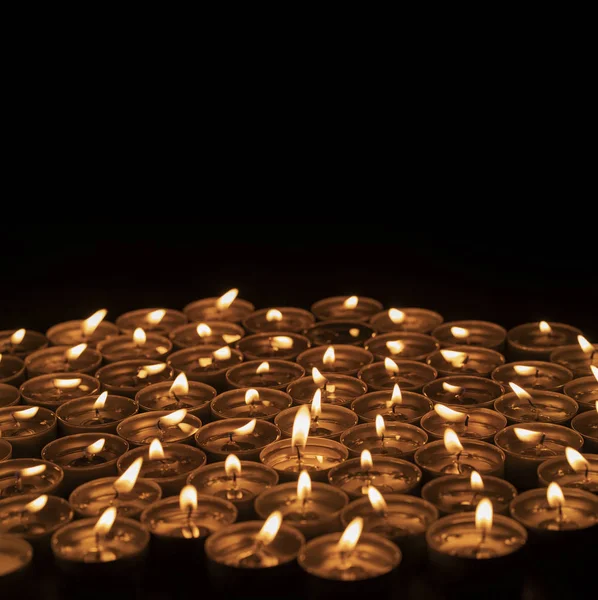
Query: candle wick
x=466 y=422
x=234 y=480
x=298 y=457
x=19 y=480
x=458 y=463
x=230 y=437
x=560 y=515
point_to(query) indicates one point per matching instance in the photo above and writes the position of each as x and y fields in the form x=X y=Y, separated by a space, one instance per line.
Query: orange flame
x=180 y=386
x=380 y=426
x=391 y=366
x=585 y=345
x=329 y=356
x=460 y=333
x=395 y=347
x=246 y=429
x=351 y=302
x=36 y=505
x=126 y=482
x=173 y=419
x=301 y=426
x=455 y=358
x=484 y=515
x=203 y=330
x=251 y=396
x=32 y=471
x=554 y=495
x=75 y=352
x=25 y=414
x=376 y=500
x=263 y=368
x=156 y=452
x=17 y=337
x=450 y=415
x=303 y=486
x=232 y=466
x=320 y=380
x=139 y=337
x=545 y=327
x=66 y=384
x=350 y=536
x=105 y=522
x=273 y=315
x=576 y=460
x=282 y=342
x=223 y=353
x=227 y=299
x=476 y=481
x=100 y=401
x=520 y=392
x=96 y=447
x=366 y=460
x=527 y=436
x=316 y=404
x=155 y=316
x=188 y=498
x=451 y=389
x=452 y=442
x=270 y=528
x=89 y=325
x=396 y=316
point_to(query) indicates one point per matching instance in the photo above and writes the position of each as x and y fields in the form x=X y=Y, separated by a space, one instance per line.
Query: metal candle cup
x=357 y=308
x=273 y=374
x=411 y=375
x=207 y=309
x=408 y=407
x=30 y=342
x=283 y=318
x=536 y=341
x=546 y=407
x=155 y=320
x=330 y=423
x=251 y=403
x=29 y=476
x=336 y=389
x=346 y=360
x=56 y=360
x=12 y=369
x=143 y=428
x=266 y=346
x=584 y=391
x=477 y=424
x=5 y=450
x=28 y=431
x=465 y=360
x=9 y=395
x=16 y=555
x=127 y=377
x=211 y=333
x=471 y=333
x=124 y=347
x=418 y=320
x=70 y=333
x=534 y=374
x=575 y=359
x=50 y=391
x=402 y=345
x=560 y=471
x=463 y=391
x=339 y=331
x=586 y=424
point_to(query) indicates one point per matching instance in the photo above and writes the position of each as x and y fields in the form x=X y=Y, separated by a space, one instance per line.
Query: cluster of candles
x=343 y=441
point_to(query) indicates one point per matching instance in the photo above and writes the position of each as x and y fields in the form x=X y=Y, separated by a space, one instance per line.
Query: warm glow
x=156 y=452
x=391 y=366
x=594 y=371
x=105 y=522
x=530 y=437
x=366 y=460
x=251 y=396
x=396 y=316
x=180 y=386
x=188 y=498
x=396 y=397
x=476 y=481
x=483 y=515
x=452 y=442
x=75 y=352
x=585 y=345
x=520 y=392
x=329 y=356
x=32 y=471
x=351 y=302
x=270 y=528
x=229 y=338
x=301 y=427
x=263 y=368
x=101 y=401
x=26 y=414
x=203 y=330
x=554 y=495
x=273 y=315
x=350 y=536
x=576 y=461
x=17 y=337
x=96 y=447
x=227 y=299
x=395 y=347
x=66 y=384
x=524 y=370
x=223 y=353
x=173 y=419
x=282 y=342
x=545 y=327
x=37 y=504
x=455 y=358
x=139 y=337
x=316 y=404
x=146 y=370
x=376 y=500
x=126 y=482
x=451 y=389
x=232 y=465
x=154 y=317
x=303 y=486
x=246 y=429
x=320 y=380
x=89 y=325
x=380 y=427
x=450 y=415
x=354 y=332
x=460 y=332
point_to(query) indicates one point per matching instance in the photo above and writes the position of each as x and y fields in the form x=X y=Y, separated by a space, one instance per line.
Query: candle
x=451 y=456
x=227 y=307
x=418 y=320
x=85 y=456
x=464 y=391
x=461 y=493
x=274 y=374
x=9 y=395
x=129 y=494
x=533 y=374
x=469 y=423
x=5 y=450
x=336 y=389
x=94 y=414
x=312 y=508
x=168 y=426
x=465 y=360
x=29 y=476
x=127 y=377
x=393 y=405
x=572 y=470
x=137 y=345
x=245 y=437
x=50 y=391
x=340 y=358
x=258 y=403
x=409 y=374
x=471 y=333
x=583 y=390
x=265 y=346
x=156 y=320
x=16 y=555
x=21 y=342
x=63 y=359
x=387 y=438
x=193 y=396
x=527 y=446
x=337 y=331
x=169 y=466
x=27 y=429
x=88 y=331
x=395 y=345
x=587 y=425
x=387 y=473
x=579 y=358
x=358 y=308
x=282 y=318
x=212 y=333
x=239 y=482
x=12 y=369
x=535 y=341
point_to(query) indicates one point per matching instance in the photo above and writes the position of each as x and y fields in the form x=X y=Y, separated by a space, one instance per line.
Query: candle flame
x=380 y=426
x=366 y=460
x=554 y=495
x=173 y=419
x=320 y=380
x=350 y=536
x=391 y=366
x=32 y=471
x=316 y=404
x=146 y=370
x=520 y=392
x=303 y=486
x=354 y=332
x=204 y=361
x=188 y=498
x=455 y=358
x=229 y=338
x=282 y=342
x=452 y=389
x=301 y=427
x=577 y=462
x=594 y=371
x=396 y=316
x=483 y=515
x=476 y=481
x=251 y=396
x=0 y=357
x=396 y=397
x=203 y=330
x=66 y=384
x=223 y=353
x=585 y=345
x=452 y=442
x=96 y=447
x=36 y=505
x=395 y=347
x=17 y=337
x=450 y=415
x=270 y=528
x=126 y=482
x=329 y=356
x=376 y=500
x=246 y=429
x=545 y=327
x=263 y=368
x=273 y=315
x=156 y=452
x=460 y=332
x=100 y=401
x=232 y=465
x=227 y=299
x=524 y=370
x=26 y=414
x=155 y=316
x=105 y=522
x=180 y=386
x=139 y=337
x=351 y=302
x=530 y=437
x=89 y=325
x=75 y=352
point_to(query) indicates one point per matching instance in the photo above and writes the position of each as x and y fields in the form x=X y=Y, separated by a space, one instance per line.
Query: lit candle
x=471 y=333
x=409 y=374
x=259 y=403
x=339 y=331
x=21 y=342
x=140 y=344
x=535 y=341
x=359 y=308
x=28 y=429
x=264 y=346
x=52 y=390
x=211 y=333
x=579 y=358
x=419 y=320
x=465 y=360
x=573 y=470
x=228 y=307
x=464 y=390
x=127 y=377
x=587 y=425
x=336 y=389
x=339 y=358
x=533 y=374
x=63 y=359
x=90 y=331
x=410 y=346
x=284 y=318
x=156 y=320
x=584 y=390
x=28 y=476
x=274 y=374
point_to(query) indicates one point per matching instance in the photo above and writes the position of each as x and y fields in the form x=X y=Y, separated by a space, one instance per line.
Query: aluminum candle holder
x=210 y=333
x=533 y=374
x=402 y=345
x=343 y=359
x=16 y=555
x=355 y=308
x=283 y=318
x=575 y=359
x=330 y=423
x=5 y=450
x=169 y=427
x=63 y=359
x=583 y=390
x=541 y=406
x=273 y=374
x=338 y=331
x=266 y=346
x=154 y=320
x=471 y=333
x=469 y=423
x=586 y=424
x=29 y=476
x=409 y=374
x=463 y=391
x=225 y=308
x=252 y=403
x=152 y=346
x=27 y=429
x=536 y=341
x=339 y=390
x=21 y=342
x=127 y=377
x=407 y=407
x=418 y=320
x=9 y=395
x=50 y=391
x=465 y=360
x=12 y=370
x=71 y=333
x=584 y=476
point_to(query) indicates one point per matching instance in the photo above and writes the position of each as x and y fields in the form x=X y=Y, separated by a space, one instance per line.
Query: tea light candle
x=211 y=333
x=264 y=346
x=253 y=403
x=63 y=359
x=464 y=391
x=338 y=331
x=533 y=374
x=357 y=308
x=527 y=446
x=457 y=493
x=340 y=358
x=387 y=473
x=339 y=390
x=134 y=346
x=282 y=318
x=389 y=439
x=21 y=342
x=168 y=426
x=394 y=405
x=583 y=390
x=127 y=377
x=12 y=369
x=193 y=396
x=226 y=308
x=5 y=450
x=587 y=425
x=471 y=333
x=451 y=456
x=521 y=406
x=156 y=320
x=578 y=358
x=402 y=345
x=274 y=374
x=572 y=470
x=536 y=341
x=465 y=360
x=469 y=423
x=169 y=466
x=409 y=374
x=27 y=429
x=239 y=482
x=94 y=414
x=16 y=555
x=312 y=508
x=88 y=331
x=29 y=476
x=9 y=395
x=127 y=493
x=50 y=391
x=245 y=437
x=418 y=320
x=85 y=456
